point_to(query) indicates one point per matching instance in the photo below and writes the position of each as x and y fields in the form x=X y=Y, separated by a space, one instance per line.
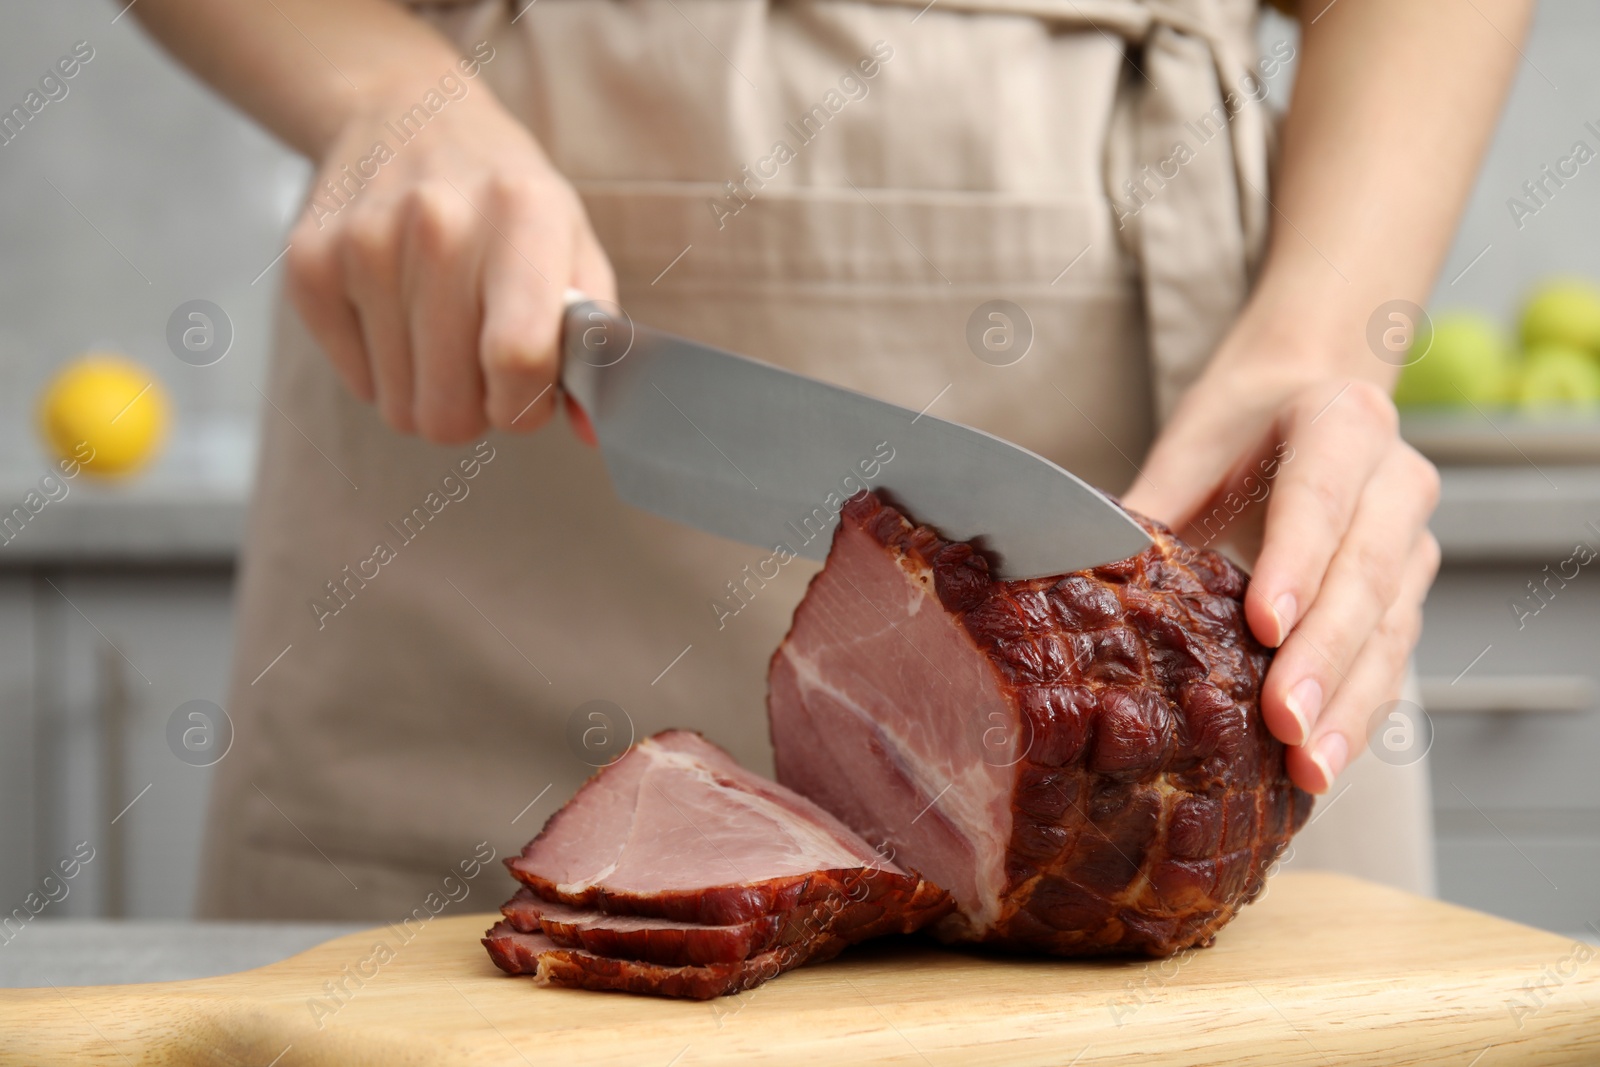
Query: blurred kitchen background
x=139 y=191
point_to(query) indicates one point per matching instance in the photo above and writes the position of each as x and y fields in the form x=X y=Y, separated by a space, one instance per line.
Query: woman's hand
x=434 y=278
x=1345 y=555
x=1293 y=409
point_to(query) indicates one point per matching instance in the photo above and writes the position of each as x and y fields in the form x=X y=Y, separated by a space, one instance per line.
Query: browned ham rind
x=1080 y=760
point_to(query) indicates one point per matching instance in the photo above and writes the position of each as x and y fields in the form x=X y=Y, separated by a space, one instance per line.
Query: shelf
x=1502 y=437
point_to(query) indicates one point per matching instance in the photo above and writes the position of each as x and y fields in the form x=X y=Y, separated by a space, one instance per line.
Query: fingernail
x=1284 y=608
x=1305 y=702
x=1330 y=754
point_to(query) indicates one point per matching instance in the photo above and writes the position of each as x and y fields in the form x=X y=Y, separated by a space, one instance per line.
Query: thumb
x=1183 y=470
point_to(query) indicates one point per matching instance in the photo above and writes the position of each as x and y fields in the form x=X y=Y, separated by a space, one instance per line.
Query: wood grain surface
x=1322 y=970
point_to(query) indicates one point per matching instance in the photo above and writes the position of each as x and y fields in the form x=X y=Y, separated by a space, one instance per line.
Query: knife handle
x=575 y=382
x=595 y=334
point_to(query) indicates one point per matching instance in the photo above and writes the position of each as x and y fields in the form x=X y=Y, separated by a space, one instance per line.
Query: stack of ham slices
x=1077 y=763
x=677 y=872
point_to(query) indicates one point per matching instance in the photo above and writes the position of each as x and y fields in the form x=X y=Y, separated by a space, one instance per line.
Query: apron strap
x=1186 y=169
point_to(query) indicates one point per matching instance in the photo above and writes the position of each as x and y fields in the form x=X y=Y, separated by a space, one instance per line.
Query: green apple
x=1465 y=359
x=1566 y=312
x=1557 y=376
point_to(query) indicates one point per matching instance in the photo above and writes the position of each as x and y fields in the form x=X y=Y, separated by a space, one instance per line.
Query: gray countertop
x=187 y=508
x=73 y=952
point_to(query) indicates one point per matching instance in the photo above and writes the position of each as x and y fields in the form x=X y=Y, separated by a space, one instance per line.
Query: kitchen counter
x=187 y=508
x=74 y=952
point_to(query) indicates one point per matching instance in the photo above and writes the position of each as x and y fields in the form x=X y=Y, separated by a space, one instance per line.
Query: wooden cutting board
x=1322 y=970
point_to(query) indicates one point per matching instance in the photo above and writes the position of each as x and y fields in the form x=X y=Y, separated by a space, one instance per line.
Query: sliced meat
x=852 y=912
x=643 y=937
x=676 y=829
x=675 y=871
x=1080 y=759
x=552 y=964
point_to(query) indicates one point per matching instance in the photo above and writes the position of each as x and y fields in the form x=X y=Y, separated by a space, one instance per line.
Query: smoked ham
x=1080 y=759
x=1073 y=765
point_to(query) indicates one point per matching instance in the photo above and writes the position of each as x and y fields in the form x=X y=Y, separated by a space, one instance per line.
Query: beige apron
x=377 y=744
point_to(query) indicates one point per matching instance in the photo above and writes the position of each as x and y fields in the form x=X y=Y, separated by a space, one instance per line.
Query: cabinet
x=1516 y=790
x=93 y=662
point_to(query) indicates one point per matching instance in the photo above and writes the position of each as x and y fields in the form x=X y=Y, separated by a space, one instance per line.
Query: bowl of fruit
x=1474 y=391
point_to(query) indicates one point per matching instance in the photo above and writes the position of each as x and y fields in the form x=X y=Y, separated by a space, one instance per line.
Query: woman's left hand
x=1345 y=555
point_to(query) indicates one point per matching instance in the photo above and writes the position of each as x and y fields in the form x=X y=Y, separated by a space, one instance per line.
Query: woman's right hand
x=435 y=279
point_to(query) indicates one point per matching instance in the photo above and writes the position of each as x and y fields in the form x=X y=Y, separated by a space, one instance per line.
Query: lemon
x=106 y=412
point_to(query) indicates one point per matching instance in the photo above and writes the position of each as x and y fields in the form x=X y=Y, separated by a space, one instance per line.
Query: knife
x=758 y=454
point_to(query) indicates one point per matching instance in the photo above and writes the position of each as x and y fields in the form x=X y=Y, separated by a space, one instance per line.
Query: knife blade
x=758 y=454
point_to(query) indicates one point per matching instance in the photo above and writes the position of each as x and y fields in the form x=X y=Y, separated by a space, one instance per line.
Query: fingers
x=317 y=291
x=526 y=271
x=1335 y=438
x=369 y=260
x=441 y=261
x=1373 y=679
x=591 y=269
x=1358 y=587
x=436 y=283
x=444 y=306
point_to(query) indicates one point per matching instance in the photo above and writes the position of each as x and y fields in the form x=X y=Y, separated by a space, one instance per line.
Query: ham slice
x=552 y=964
x=678 y=872
x=1080 y=760
x=676 y=829
x=643 y=937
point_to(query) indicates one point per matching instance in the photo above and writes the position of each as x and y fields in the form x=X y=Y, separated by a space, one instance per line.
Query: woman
x=433 y=593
